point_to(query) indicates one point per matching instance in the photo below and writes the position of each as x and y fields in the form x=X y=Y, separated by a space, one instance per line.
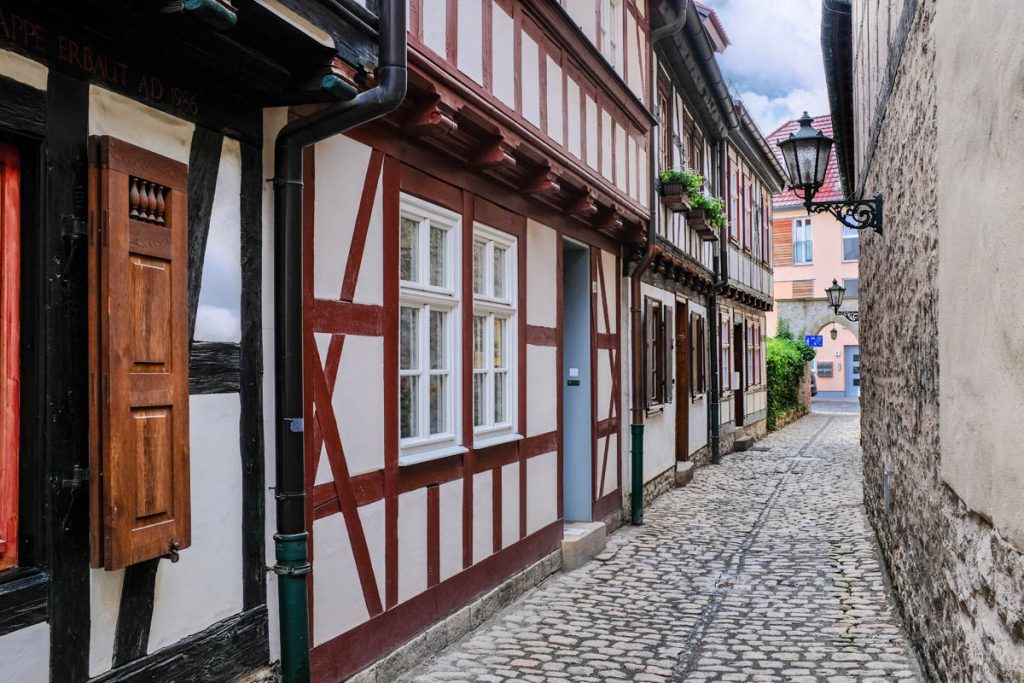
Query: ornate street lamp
x=835 y=295
x=806 y=153
x=833 y=332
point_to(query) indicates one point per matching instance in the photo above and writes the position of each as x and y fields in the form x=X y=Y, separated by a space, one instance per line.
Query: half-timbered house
x=401 y=245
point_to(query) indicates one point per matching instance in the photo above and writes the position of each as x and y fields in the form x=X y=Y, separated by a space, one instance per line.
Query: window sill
x=427 y=456
x=696 y=398
x=655 y=410
x=496 y=440
x=24 y=599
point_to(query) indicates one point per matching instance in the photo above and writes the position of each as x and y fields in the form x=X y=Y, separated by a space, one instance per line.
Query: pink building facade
x=808 y=253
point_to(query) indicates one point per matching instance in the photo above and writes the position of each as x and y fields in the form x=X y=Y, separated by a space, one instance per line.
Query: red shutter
x=138 y=354
x=10 y=324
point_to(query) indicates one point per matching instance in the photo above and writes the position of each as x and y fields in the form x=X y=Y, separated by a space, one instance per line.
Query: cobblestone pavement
x=831 y=406
x=764 y=568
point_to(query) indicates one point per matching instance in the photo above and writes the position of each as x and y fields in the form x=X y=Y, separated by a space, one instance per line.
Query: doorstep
x=581 y=541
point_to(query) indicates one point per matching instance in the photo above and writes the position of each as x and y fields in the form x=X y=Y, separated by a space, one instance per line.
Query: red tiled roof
x=831 y=189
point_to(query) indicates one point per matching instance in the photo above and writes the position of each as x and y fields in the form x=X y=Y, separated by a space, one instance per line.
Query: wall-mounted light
x=833 y=332
x=835 y=295
x=806 y=153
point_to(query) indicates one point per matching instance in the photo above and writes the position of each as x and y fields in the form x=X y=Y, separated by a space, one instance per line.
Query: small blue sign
x=813 y=340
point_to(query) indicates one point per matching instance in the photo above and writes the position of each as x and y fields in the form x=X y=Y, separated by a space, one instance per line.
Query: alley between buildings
x=763 y=568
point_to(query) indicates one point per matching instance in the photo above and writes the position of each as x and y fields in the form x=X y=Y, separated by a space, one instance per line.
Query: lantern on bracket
x=835 y=295
x=806 y=154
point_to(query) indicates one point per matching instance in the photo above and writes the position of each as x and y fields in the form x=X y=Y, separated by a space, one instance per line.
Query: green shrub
x=692 y=184
x=786 y=359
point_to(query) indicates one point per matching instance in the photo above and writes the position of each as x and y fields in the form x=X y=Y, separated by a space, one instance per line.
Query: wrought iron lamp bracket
x=852 y=316
x=859 y=214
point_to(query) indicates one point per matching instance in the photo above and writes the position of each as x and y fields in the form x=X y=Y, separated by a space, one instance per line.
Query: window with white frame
x=428 y=346
x=494 y=335
x=851 y=244
x=803 y=243
x=610 y=30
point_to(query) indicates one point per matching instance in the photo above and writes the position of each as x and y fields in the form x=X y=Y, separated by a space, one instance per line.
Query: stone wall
x=959 y=584
x=807 y=316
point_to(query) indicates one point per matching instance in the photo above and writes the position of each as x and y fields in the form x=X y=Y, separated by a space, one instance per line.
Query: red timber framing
x=395 y=167
x=10 y=325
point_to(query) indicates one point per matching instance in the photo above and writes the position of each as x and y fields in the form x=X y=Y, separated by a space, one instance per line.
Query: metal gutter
x=291 y=539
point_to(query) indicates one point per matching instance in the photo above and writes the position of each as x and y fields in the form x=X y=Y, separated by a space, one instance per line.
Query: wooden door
x=682 y=359
x=10 y=234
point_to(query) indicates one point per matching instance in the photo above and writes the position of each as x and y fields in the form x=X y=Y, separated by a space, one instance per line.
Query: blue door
x=851 y=358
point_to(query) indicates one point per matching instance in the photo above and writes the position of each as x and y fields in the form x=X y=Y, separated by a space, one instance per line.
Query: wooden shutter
x=138 y=315
x=10 y=325
x=667 y=346
x=782 y=242
x=648 y=331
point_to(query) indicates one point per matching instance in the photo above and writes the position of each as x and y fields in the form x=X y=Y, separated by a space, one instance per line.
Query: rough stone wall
x=959 y=585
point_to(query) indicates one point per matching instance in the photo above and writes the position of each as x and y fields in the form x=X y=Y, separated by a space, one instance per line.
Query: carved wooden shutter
x=10 y=324
x=138 y=354
x=668 y=357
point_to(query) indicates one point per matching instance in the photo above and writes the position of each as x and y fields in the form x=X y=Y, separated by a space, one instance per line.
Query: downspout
x=290 y=541
x=636 y=440
x=721 y=275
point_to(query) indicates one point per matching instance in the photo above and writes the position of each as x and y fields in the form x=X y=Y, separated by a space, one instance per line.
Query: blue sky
x=774 y=62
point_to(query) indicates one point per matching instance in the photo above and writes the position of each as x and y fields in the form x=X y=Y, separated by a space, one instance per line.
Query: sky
x=774 y=62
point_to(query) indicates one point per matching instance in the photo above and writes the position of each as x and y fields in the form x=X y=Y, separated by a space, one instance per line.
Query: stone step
x=581 y=541
x=742 y=443
x=684 y=473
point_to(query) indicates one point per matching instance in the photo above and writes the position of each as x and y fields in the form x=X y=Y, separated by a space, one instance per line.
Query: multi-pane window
x=852 y=288
x=659 y=335
x=749 y=329
x=494 y=333
x=427 y=324
x=698 y=363
x=803 y=251
x=851 y=244
x=610 y=30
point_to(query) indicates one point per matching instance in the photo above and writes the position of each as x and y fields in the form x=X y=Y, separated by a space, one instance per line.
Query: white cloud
x=216 y=323
x=774 y=63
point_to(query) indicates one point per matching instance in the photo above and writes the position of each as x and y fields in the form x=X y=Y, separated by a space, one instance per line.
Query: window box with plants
x=677 y=187
x=707 y=216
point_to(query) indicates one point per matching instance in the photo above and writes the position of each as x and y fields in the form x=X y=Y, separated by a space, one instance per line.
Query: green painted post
x=292 y=568
x=637 y=462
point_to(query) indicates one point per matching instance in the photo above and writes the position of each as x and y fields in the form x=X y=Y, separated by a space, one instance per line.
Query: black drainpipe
x=290 y=541
x=721 y=268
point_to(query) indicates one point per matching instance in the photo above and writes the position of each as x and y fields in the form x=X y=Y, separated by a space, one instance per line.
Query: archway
x=837 y=363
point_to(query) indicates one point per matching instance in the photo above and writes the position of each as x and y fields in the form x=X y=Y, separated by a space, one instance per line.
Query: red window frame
x=10 y=343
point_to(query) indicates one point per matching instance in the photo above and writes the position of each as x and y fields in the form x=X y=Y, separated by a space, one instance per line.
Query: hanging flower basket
x=674 y=197
x=700 y=221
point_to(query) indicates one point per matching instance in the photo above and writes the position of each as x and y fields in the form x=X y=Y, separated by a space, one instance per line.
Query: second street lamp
x=835 y=295
x=806 y=153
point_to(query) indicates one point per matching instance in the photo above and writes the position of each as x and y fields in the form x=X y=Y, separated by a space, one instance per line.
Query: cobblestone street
x=764 y=568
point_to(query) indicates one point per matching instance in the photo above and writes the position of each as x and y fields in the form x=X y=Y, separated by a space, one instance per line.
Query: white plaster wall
x=435 y=17
x=529 y=75
x=590 y=148
x=338 y=603
x=542 y=245
x=117 y=116
x=219 y=316
x=979 y=59
x=205 y=585
x=620 y=157
x=412 y=544
x=543 y=375
x=556 y=119
x=575 y=114
x=341 y=165
x=483 y=514
x=606 y=144
x=509 y=504
x=23 y=69
x=503 y=66
x=469 y=41
x=104 y=601
x=450 y=507
x=604 y=383
x=541 y=491
x=611 y=478
x=25 y=654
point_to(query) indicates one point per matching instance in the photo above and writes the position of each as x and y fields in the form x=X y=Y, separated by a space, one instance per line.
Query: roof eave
x=837 y=52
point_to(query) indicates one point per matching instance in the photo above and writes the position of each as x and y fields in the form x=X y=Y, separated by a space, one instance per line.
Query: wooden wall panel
x=782 y=242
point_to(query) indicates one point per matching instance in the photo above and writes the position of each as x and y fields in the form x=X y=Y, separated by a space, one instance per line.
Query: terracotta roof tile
x=831 y=189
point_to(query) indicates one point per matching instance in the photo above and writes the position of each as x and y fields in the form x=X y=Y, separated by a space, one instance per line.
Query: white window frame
x=611 y=32
x=799 y=227
x=420 y=294
x=487 y=305
x=850 y=234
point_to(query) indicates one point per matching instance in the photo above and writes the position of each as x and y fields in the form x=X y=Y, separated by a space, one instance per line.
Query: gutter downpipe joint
x=291 y=539
x=636 y=431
